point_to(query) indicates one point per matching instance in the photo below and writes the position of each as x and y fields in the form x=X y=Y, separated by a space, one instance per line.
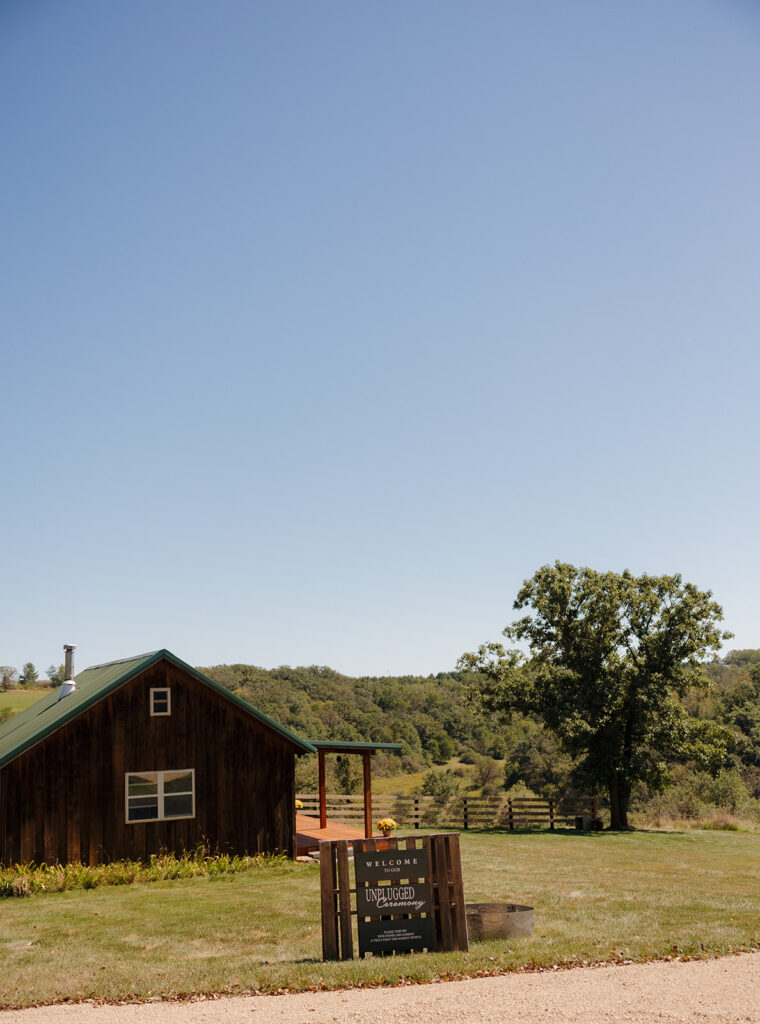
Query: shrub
x=28 y=879
x=520 y=790
x=440 y=783
x=727 y=791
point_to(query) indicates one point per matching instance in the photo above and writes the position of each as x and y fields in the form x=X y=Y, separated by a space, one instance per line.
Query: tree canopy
x=428 y=715
x=610 y=656
x=29 y=675
x=56 y=674
x=8 y=676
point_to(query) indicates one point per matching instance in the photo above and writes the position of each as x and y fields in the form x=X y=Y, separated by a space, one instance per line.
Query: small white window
x=160 y=701
x=159 y=796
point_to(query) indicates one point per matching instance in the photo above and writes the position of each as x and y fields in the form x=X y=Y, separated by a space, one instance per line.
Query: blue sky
x=326 y=324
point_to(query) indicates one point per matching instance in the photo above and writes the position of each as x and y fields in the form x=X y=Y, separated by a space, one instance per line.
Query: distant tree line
x=29 y=677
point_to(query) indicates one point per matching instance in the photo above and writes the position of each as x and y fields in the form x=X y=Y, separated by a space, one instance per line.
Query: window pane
x=143 y=785
x=160 y=702
x=178 y=782
x=178 y=806
x=143 y=808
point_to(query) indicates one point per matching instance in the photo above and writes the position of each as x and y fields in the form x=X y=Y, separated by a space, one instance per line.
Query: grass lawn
x=18 y=698
x=598 y=897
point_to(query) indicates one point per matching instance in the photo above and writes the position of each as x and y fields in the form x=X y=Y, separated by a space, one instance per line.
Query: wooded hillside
x=433 y=720
x=428 y=715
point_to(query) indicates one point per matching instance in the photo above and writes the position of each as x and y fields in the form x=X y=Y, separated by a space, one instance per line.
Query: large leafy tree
x=8 y=677
x=610 y=656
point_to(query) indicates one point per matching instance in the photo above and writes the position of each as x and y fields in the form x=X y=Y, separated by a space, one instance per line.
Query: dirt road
x=703 y=992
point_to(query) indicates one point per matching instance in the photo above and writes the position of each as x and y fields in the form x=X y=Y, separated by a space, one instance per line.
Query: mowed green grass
x=597 y=897
x=17 y=699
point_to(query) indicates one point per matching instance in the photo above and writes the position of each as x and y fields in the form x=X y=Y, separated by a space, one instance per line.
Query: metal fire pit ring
x=499 y=921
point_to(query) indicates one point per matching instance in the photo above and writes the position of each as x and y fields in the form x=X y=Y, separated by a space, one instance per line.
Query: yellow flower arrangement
x=387 y=825
x=299 y=805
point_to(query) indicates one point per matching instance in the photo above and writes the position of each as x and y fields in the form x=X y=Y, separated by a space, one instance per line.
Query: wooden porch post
x=322 y=791
x=367 y=796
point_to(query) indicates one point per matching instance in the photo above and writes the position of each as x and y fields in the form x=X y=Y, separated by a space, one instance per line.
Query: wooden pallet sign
x=408 y=896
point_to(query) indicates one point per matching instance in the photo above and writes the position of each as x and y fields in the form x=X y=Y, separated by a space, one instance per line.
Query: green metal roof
x=50 y=713
x=349 y=746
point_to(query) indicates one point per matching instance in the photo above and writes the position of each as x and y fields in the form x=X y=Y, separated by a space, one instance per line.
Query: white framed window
x=159 y=796
x=160 y=700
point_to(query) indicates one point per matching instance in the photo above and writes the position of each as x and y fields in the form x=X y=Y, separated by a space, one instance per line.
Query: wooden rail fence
x=459 y=812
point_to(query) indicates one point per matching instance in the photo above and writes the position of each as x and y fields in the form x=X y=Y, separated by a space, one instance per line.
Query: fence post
x=416 y=812
x=466 y=819
x=509 y=815
x=551 y=813
x=322 y=790
x=367 y=777
x=329 y=889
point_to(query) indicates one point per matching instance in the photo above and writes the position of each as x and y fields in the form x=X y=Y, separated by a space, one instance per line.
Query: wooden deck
x=309 y=834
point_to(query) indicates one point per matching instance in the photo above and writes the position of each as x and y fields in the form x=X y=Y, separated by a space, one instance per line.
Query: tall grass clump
x=30 y=879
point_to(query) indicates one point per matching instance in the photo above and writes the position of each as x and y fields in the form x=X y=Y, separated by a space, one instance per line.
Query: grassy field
x=393 y=784
x=598 y=897
x=17 y=699
x=405 y=783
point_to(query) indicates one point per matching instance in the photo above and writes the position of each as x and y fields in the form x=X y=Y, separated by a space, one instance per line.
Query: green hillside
x=442 y=734
x=428 y=715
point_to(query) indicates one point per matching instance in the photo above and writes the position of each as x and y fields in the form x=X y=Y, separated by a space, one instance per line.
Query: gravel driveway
x=725 y=990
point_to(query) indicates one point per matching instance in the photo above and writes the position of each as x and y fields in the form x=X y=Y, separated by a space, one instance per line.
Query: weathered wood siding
x=63 y=800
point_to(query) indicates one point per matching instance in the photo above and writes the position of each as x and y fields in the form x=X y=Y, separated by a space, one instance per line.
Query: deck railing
x=459 y=812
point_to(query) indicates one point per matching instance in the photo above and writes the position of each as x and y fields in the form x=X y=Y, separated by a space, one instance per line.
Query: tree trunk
x=620 y=797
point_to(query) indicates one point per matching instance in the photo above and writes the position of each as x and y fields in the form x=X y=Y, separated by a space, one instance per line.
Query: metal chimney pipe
x=68 y=685
x=69 y=660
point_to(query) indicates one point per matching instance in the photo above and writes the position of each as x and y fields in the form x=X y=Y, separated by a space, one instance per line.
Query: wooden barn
x=143 y=755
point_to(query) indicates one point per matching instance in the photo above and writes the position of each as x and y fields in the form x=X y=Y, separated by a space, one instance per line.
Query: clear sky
x=325 y=324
